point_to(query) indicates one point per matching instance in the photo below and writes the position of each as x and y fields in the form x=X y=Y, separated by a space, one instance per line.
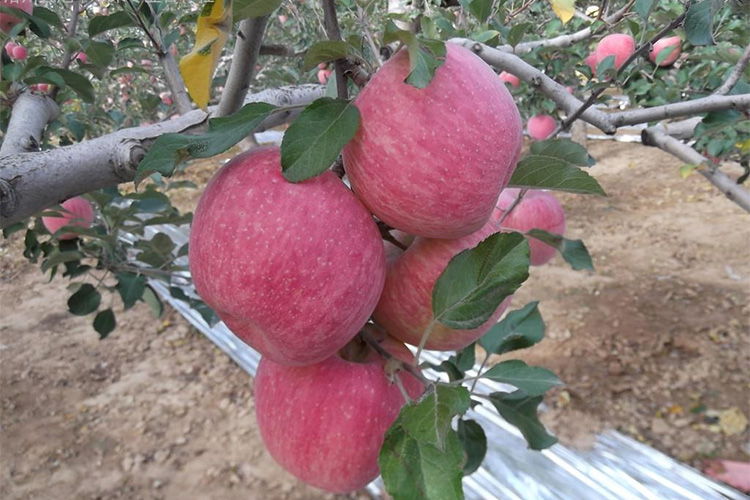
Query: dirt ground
x=656 y=344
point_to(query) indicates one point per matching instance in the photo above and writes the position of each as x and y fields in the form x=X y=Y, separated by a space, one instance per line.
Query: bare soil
x=656 y=343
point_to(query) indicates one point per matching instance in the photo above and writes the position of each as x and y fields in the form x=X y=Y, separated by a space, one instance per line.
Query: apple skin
x=537 y=210
x=19 y=53
x=541 y=127
x=325 y=423
x=324 y=75
x=293 y=269
x=509 y=78
x=618 y=45
x=590 y=61
x=663 y=44
x=76 y=212
x=8 y=21
x=392 y=251
x=415 y=165
x=82 y=57
x=405 y=307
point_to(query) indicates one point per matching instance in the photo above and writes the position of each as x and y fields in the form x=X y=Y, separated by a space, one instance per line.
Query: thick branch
x=679 y=109
x=658 y=137
x=247 y=48
x=31 y=114
x=175 y=82
x=30 y=182
x=734 y=77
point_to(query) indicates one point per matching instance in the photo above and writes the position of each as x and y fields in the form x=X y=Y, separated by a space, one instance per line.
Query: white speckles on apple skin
x=297 y=294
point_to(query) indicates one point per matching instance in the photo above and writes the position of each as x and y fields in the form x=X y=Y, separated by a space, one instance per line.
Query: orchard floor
x=656 y=344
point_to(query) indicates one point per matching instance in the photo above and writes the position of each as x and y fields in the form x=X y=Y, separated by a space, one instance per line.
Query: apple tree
x=383 y=219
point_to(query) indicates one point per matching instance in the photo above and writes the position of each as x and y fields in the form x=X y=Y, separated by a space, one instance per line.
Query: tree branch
x=734 y=77
x=31 y=114
x=31 y=182
x=175 y=82
x=679 y=109
x=279 y=50
x=250 y=35
x=331 y=22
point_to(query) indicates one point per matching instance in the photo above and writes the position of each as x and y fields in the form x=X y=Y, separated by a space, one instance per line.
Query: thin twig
x=331 y=22
x=513 y=205
x=734 y=77
x=370 y=340
x=68 y=56
x=423 y=340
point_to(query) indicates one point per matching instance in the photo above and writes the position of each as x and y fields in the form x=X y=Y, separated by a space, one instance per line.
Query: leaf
x=57 y=258
x=85 y=301
x=481 y=9
x=474 y=443
x=686 y=170
x=466 y=357
x=516 y=33
x=100 y=24
x=100 y=53
x=644 y=8
x=534 y=380
x=77 y=82
x=48 y=16
x=131 y=287
x=153 y=301
x=552 y=164
x=313 y=142
x=170 y=150
x=664 y=53
x=520 y=410
x=565 y=9
x=606 y=64
x=421 y=456
x=519 y=329
x=325 y=51
x=574 y=252
x=425 y=55
x=162 y=243
x=197 y=67
x=477 y=280
x=699 y=22
x=104 y=323
x=245 y=9
x=12 y=228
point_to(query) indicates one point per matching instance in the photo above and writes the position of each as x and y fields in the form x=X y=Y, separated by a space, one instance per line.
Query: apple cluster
x=296 y=270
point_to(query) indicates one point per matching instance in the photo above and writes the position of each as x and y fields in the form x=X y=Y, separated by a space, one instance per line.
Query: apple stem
x=423 y=341
x=401 y=388
x=370 y=340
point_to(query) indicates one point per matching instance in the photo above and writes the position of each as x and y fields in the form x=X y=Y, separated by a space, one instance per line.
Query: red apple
x=618 y=45
x=293 y=269
x=166 y=98
x=433 y=161
x=9 y=48
x=541 y=127
x=325 y=423
x=82 y=57
x=322 y=65
x=282 y=18
x=569 y=89
x=513 y=80
x=19 y=53
x=405 y=307
x=665 y=43
x=8 y=21
x=591 y=62
x=40 y=87
x=75 y=212
x=536 y=210
x=324 y=75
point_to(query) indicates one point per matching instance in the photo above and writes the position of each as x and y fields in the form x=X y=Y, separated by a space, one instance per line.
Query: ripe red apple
x=432 y=161
x=536 y=210
x=8 y=21
x=82 y=57
x=618 y=45
x=18 y=53
x=513 y=80
x=591 y=62
x=293 y=269
x=322 y=65
x=405 y=307
x=75 y=212
x=324 y=75
x=665 y=43
x=40 y=87
x=569 y=89
x=282 y=18
x=325 y=423
x=541 y=127
x=166 y=98
x=9 y=48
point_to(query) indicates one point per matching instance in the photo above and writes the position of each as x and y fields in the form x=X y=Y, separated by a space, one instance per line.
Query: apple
x=82 y=58
x=513 y=80
x=18 y=53
x=325 y=423
x=40 y=87
x=536 y=210
x=432 y=162
x=9 y=48
x=590 y=61
x=166 y=98
x=322 y=65
x=324 y=75
x=8 y=21
x=282 y=18
x=569 y=89
x=293 y=269
x=665 y=43
x=75 y=212
x=541 y=127
x=618 y=45
x=405 y=307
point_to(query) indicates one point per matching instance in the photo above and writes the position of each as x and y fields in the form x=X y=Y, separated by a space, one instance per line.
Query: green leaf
x=519 y=329
x=131 y=287
x=606 y=64
x=77 y=82
x=534 y=380
x=477 y=280
x=162 y=243
x=574 y=252
x=520 y=410
x=664 y=53
x=313 y=142
x=153 y=301
x=644 y=8
x=474 y=443
x=85 y=301
x=48 y=16
x=170 y=150
x=100 y=24
x=325 y=51
x=100 y=53
x=421 y=456
x=245 y=9
x=104 y=323
x=425 y=55
x=481 y=9
x=551 y=164
x=8 y=230
x=466 y=357
x=699 y=22
x=56 y=258
x=516 y=33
